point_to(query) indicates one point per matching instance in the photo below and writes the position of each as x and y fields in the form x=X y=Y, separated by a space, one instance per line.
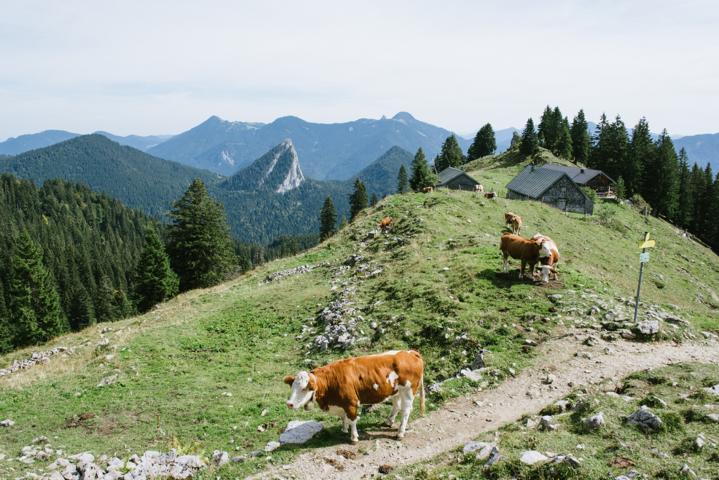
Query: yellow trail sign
x=647 y=244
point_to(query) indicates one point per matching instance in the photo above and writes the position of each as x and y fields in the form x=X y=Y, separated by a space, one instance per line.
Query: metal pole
x=639 y=284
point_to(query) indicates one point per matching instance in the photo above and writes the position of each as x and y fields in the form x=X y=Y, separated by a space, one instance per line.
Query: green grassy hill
x=198 y=371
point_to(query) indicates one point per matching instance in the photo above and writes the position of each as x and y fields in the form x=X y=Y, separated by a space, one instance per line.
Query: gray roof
x=449 y=174
x=533 y=181
x=577 y=174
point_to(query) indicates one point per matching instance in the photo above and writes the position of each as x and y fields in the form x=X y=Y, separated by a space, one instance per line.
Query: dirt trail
x=465 y=418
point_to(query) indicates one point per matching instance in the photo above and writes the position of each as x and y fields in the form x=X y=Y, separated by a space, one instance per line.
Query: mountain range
x=32 y=141
x=269 y=198
x=328 y=151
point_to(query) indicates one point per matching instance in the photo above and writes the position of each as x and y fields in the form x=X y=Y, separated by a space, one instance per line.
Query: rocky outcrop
x=35 y=359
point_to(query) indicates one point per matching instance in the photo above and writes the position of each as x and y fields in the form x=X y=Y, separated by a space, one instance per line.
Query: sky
x=161 y=67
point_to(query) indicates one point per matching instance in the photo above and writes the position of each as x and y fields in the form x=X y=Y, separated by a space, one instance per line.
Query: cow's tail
x=421 y=395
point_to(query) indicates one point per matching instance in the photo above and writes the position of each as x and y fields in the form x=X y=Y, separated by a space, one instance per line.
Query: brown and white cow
x=479 y=188
x=514 y=221
x=343 y=386
x=519 y=248
x=548 y=256
x=385 y=224
x=428 y=190
x=490 y=195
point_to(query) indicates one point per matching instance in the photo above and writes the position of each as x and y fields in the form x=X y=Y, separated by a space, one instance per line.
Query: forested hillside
x=68 y=254
x=138 y=180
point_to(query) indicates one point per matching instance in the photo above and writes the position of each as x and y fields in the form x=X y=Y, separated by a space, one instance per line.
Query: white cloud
x=163 y=66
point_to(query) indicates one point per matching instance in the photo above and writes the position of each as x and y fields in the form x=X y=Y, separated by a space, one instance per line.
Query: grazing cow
x=428 y=190
x=479 y=188
x=514 y=221
x=385 y=224
x=490 y=195
x=343 y=386
x=548 y=257
x=519 y=248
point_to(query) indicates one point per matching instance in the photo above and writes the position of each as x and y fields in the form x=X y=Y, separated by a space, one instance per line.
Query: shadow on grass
x=504 y=280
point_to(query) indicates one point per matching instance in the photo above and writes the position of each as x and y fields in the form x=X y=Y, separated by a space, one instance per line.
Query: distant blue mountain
x=702 y=149
x=33 y=141
x=328 y=150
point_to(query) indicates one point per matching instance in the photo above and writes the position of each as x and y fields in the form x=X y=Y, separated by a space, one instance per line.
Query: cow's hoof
x=400 y=436
x=354 y=441
x=388 y=423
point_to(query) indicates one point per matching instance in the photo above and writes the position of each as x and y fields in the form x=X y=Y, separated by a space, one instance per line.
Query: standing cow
x=514 y=221
x=519 y=248
x=343 y=386
x=548 y=257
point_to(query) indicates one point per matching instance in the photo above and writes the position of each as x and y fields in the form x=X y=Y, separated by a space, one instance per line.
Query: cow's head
x=303 y=387
x=546 y=270
x=544 y=250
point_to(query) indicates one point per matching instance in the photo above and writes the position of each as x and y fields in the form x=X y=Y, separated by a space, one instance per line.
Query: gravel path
x=463 y=419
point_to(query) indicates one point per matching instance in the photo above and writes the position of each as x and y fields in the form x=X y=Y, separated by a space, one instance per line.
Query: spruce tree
x=564 y=141
x=530 y=142
x=81 y=310
x=596 y=153
x=402 y=180
x=450 y=156
x=105 y=308
x=698 y=185
x=373 y=199
x=422 y=176
x=6 y=335
x=713 y=230
x=484 y=143
x=154 y=280
x=516 y=141
x=666 y=169
x=328 y=220
x=620 y=188
x=545 y=132
x=358 y=199
x=34 y=303
x=685 y=207
x=704 y=220
x=581 y=142
x=343 y=222
x=199 y=242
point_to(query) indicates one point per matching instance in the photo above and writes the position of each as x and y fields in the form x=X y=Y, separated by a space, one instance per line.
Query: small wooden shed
x=550 y=186
x=456 y=179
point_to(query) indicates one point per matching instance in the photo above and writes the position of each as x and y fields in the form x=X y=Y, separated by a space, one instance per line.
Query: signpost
x=643 y=258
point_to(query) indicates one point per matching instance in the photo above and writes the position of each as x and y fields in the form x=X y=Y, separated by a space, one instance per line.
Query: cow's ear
x=289 y=380
x=312 y=384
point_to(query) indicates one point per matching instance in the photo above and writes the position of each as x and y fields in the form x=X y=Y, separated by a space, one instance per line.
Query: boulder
x=645 y=420
x=547 y=423
x=220 y=458
x=714 y=417
x=595 y=422
x=474 y=375
x=533 y=457
x=713 y=390
x=648 y=328
x=299 y=431
x=494 y=457
x=483 y=449
x=7 y=423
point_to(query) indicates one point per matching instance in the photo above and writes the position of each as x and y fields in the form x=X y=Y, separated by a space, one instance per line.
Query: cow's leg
x=395 y=410
x=353 y=416
x=521 y=269
x=406 y=399
x=505 y=265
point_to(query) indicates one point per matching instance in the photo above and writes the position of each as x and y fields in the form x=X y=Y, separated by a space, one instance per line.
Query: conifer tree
x=621 y=189
x=105 y=308
x=516 y=141
x=343 y=222
x=81 y=310
x=373 y=199
x=713 y=231
x=34 y=303
x=684 y=208
x=154 y=280
x=484 y=143
x=358 y=199
x=581 y=142
x=666 y=169
x=704 y=199
x=422 y=176
x=199 y=243
x=596 y=156
x=564 y=141
x=6 y=335
x=402 y=180
x=450 y=156
x=328 y=220
x=545 y=135
x=530 y=142
x=698 y=185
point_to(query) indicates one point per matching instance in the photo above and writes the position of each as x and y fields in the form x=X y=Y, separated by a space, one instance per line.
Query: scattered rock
x=299 y=431
x=482 y=449
x=220 y=458
x=713 y=390
x=109 y=380
x=630 y=475
x=687 y=472
x=645 y=420
x=547 y=423
x=474 y=375
x=385 y=469
x=653 y=401
x=7 y=423
x=595 y=422
x=494 y=457
x=533 y=457
x=35 y=358
x=289 y=272
x=699 y=442
x=714 y=417
x=647 y=328
x=549 y=379
x=272 y=446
